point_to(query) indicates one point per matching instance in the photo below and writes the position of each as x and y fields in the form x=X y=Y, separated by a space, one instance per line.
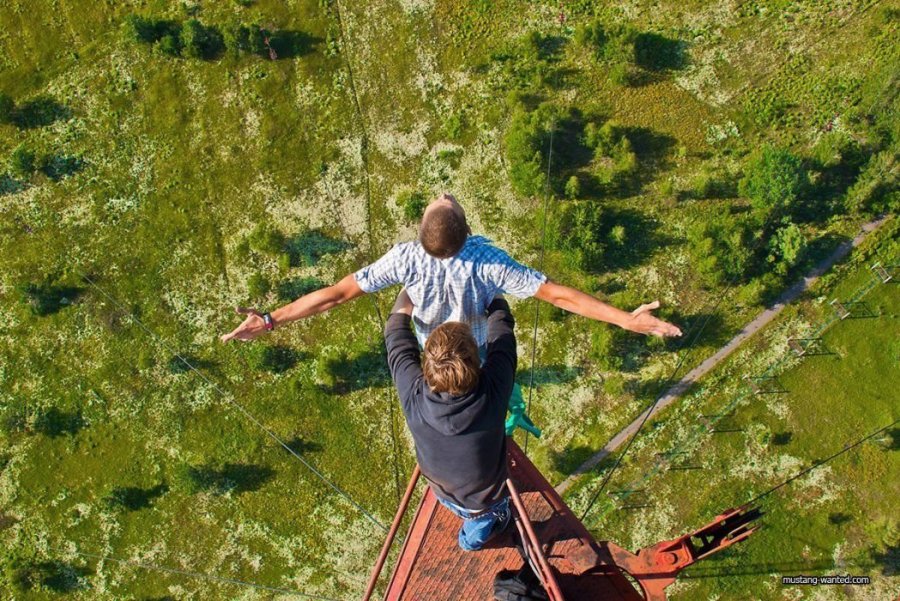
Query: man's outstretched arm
x=641 y=320
x=310 y=304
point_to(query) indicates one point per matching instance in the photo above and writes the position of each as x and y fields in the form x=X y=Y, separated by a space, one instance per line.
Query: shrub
x=141 y=29
x=169 y=45
x=786 y=247
x=258 y=285
x=413 y=204
x=266 y=239
x=720 y=249
x=573 y=187
x=284 y=262
x=704 y=185
x=592 y=35
x=579 y=233
x=22 y=162
x=614 y=385
x=617 y=235
x=616 y=166
x=200 y=41
x=876 y=190
x=774 y=181
x=622 y=74
x=7 y=109
x=46 y=298
x=527 y=143
x=453 y=126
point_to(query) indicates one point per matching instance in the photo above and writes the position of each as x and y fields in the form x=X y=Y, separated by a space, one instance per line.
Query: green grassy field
x=185 y=186
x=840 y=516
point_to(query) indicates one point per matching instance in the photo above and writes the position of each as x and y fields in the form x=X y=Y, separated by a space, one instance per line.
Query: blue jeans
x=476 y=531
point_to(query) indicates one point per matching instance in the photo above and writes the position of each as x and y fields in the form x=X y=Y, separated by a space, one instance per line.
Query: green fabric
x=517 y=417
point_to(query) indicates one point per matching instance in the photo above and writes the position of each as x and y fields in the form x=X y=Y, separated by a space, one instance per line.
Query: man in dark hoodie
x=455 y=408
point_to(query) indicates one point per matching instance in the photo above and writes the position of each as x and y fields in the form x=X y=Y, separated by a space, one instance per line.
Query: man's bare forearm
x=319 y=301
x=641 y=320
x=578 y=302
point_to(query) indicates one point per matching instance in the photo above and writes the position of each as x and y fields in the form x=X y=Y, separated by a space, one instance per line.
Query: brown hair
x=451 y=362
x=443 y=232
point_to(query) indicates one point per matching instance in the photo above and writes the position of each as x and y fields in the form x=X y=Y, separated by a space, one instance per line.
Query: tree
x=170 y=45
x=199 y=41
x=22 y=162
x=244 y=39
x=774 y=181
x=527 y=142
x=578 y=233
x=786 y=247
x=720 y=249
x=573 y=187
x=141 y=29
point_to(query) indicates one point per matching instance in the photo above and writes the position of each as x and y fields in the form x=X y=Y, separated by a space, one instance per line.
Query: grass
x=842 y=518
x=161 y=169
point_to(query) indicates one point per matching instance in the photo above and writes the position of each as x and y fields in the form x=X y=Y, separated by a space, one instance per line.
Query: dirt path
x=701 y=370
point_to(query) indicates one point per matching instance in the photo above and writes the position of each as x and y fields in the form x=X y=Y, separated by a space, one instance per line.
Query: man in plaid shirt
x=450 y=275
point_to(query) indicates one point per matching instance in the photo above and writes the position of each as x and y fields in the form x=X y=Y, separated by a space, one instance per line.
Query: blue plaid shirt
x=456 y=289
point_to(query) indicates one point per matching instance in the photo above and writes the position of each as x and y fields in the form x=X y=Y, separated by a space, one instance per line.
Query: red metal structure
x=570 y=564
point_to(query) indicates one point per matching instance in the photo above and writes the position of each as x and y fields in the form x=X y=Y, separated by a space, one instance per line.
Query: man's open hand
x=643 y=322
x=250 y=328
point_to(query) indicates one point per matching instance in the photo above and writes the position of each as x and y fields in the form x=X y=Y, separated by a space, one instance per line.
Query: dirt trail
x=709 y=364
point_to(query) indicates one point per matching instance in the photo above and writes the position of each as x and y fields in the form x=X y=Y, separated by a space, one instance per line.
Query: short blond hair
x=451 y=362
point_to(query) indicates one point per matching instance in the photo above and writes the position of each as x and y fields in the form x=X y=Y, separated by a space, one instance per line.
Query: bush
x=579 y=233
x=622 y=74
x=573 y=187
x=786 y=248
x=592 y=35
x=453 y=126
x=413 y=204
x=720 y=249
x=774 y=181
x=143 y=30
x=22 y=162
x=704 y=185
x=46 y=298
x=527 y=142
x=169 y=45
x=258 y=286
x=614 y=385
x=876 y=188
x=7 y=109
x=199 y=41
x=266 y=239
x=617 y=235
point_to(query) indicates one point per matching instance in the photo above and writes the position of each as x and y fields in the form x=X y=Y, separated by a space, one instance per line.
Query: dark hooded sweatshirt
x=460 y=440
